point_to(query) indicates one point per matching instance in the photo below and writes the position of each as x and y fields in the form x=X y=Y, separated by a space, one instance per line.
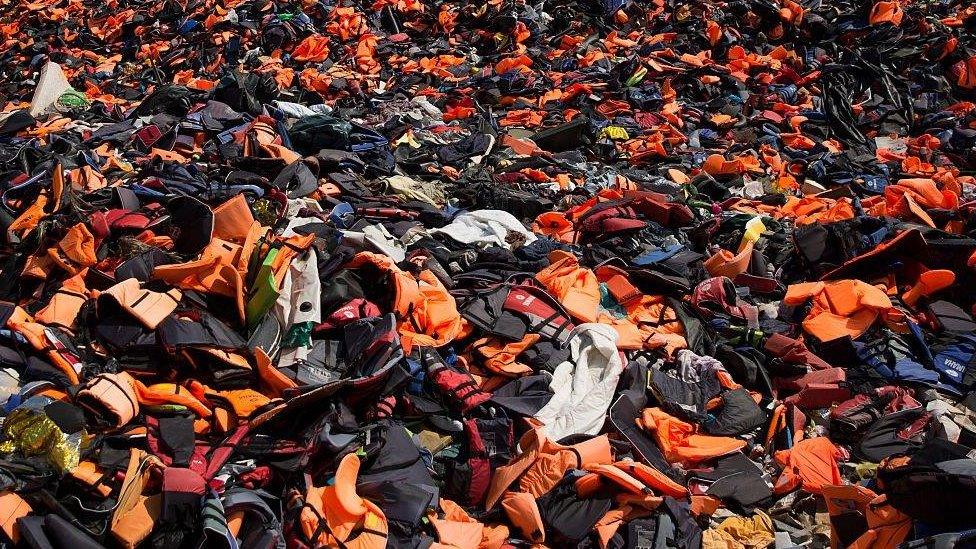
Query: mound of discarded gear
x=481 y=275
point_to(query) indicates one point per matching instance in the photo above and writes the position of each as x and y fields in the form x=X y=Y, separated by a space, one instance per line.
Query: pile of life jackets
x=455 y=274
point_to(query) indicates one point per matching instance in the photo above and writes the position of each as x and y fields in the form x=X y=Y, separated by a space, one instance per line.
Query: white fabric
x=486 y=228
x=691 y=367
x=375 y=238
x=296 y=205
x=51 y=84
x=301 y=285
x=297 y=110
x=9 y=382
x=584 y=385
x=952 y=419
x=293 y=355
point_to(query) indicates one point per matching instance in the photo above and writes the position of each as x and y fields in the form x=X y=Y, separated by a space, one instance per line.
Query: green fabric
x=73 y=98
x=299 y=335
x=263 y=293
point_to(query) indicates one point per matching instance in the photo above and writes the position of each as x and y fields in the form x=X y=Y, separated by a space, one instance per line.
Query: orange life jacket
x=810 y=464
x=336 y=516
x=427 y=312
x=542 y=463
x=680 y=441
x=840 y=308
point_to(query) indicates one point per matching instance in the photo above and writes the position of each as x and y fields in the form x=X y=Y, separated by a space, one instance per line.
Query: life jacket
x=955 y=360
x=726 y=263
x=840 y=308
x=228 y=368
x=909 y=198
x=367 y=353
x=75 y=251
x=336 y=516
x=501 y=357
x=896 y=432
x=816 y=209
x=965 y=73
x=861 y=519
x=577 y=288
x=287 y=248
x=717 y=295
x=246 y=510
x=160 y=394
x=523 y=512
x=135 y=514
x=687 y=399
x=188 y=226
x=12 y=508
x=110 y=396
x=607 y=220
x=172 y=440
x=899 y=357
x=89 y=475
x=523 y=396
x=865 y=264
x=543 y=314
x=43 y=339
x=542 y=463
x=182 y=492
x=928 y=283
x=68 y=299
x=810 y=464
x=457 y=529
x=219 y=270
x=104 y=224
x=233 y=219
x=140 y=266
x=28 y=218
x=818 y=389
x=945 y=317
x=650 y=321
x=624 y=416
x=53 y=530
x=657 y=207
x=732 y=479
x=352 y=310
x=454 y=382
x=373 y=353
x=555 y=225
x=196 y=329
x=426 y=311
x=671 y=524
x=271 y=378
x=652 y=478
x=149 y=307
x=488 y=441
x=571 y=510
x=738 y=413
x=680 y=441
x=886 y=12
x=850 y=419
x=299 y=299
x=934 y=484
x=608 y=478
x=793 y=351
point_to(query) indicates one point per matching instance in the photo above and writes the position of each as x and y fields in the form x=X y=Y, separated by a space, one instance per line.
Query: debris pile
x=480 y=275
